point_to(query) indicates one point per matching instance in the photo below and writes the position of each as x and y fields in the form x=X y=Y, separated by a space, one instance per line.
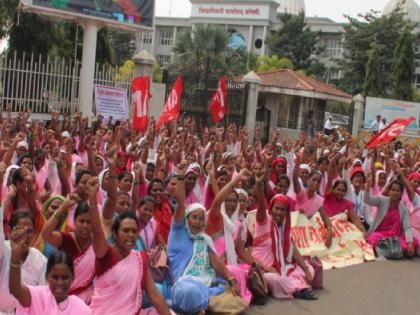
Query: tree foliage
x=294 y=40
x=404 y=67
x=273 y=62
x=360 y=33
x=206 y=44
x=371 y=85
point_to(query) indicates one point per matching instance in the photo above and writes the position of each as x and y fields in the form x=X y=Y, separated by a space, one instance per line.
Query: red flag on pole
x=173 y=104
x=393 y=130
x=141 y=96
x=218 y=104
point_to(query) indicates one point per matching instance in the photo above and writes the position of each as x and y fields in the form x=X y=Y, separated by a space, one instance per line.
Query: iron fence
x=41 y=84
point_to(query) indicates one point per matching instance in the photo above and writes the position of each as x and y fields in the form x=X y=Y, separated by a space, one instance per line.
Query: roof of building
x=291 y=82
x=409 y=7
x=291 y=6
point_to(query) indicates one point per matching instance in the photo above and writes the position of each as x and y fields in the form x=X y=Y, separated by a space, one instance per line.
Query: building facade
x=251 y=22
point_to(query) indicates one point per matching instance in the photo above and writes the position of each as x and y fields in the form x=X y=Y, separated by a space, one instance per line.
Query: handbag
x=257 y=285
x=316 y=263
x=227 y=303
x=389 y=247
x=158 y=264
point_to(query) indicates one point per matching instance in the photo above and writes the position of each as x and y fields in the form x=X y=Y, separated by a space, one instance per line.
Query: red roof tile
x=289 y=79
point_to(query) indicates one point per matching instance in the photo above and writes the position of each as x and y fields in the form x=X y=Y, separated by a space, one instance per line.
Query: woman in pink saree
x=121 y=273
x=77 y=244
x=52 y=299
x=230 y=241
x=309 y=202
x=287 y=274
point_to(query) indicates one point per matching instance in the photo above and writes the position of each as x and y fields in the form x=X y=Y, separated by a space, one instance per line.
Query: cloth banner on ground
x=218 y=104
x=173 y=104
x=111 y=101
x=392 y=131
x=141 y=96
x=348 y=245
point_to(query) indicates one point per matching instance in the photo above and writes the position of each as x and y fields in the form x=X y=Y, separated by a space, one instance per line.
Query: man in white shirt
x=382 y=124
x=376 y=124
x=328 y=126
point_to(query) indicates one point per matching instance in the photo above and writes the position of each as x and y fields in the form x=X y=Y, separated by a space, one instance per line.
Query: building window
x=147 y=38
x=166 y=38
x=334 y=48
x=288 y=114
x=164 y=59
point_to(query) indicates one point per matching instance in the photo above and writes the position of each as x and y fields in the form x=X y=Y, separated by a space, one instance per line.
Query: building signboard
x=231 y=11
x=129 y=14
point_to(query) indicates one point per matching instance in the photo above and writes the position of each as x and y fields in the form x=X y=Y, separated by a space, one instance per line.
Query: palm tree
x=274 y=62
x=208 y=44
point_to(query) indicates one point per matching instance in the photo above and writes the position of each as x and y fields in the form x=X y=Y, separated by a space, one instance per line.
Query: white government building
x=251 y=21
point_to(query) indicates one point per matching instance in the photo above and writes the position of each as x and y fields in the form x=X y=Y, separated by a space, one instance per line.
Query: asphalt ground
x=381 y=287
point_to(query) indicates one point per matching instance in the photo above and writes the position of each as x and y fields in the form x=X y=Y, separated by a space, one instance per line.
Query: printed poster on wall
x=111 y=101
x=390 y=110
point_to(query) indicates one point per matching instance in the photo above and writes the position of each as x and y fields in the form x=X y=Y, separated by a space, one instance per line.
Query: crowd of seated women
x=103 y=219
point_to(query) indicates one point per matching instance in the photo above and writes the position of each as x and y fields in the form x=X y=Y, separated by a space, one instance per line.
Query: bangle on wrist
x=14 y=264
x=232 y=281
x=136 y=183
x=180 y=177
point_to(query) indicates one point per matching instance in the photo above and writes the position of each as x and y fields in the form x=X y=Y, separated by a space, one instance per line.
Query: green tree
x=294 y=40
x=371 y=85
x=123 y=45
x=360 y=32
x=404 y=67
x=7 y=9
x=274 y=62
x=209 y=44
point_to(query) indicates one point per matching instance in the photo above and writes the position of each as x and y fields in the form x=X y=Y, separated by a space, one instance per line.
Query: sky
x=334 y=9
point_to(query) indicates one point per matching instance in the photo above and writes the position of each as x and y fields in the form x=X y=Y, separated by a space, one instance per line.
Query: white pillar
x=264 y=38
x=87 y=73
x=359 y=102
x=153 y=41
x=175 y=34
x=250 y=37
x=254 y=82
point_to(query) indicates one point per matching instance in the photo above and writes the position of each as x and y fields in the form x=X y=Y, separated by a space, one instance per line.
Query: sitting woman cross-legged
x=193 y=257
x=392 y=218
x=287 y=274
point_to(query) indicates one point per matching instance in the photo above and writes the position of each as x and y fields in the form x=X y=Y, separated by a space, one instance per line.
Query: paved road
x=376 y=288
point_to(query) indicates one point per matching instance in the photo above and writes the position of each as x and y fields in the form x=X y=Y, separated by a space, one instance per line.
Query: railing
x=41 y=84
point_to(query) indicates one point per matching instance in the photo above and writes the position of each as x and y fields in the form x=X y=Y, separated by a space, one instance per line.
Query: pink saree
x=291 y=277
x=119 y=289
x=310 y=206
x=239 y=271
x=43 y=302
x=84 y=270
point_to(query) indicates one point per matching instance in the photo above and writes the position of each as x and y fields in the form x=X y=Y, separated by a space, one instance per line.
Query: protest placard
x=111 y=101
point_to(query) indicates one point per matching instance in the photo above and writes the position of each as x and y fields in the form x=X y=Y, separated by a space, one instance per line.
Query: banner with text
x=111 y=101
x=348 y=245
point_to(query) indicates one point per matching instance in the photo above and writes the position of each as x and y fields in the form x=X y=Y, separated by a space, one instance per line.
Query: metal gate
x=200 y=82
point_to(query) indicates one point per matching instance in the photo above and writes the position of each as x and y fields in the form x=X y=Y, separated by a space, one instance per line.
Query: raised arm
x=138 y=179
x=49 y=233
x=179 y=213
x=19 y=290
x=111 y=200
x=331 y=172
x=243 y=176
x=62 y=176
x=296 y=182
x=261 y=203
x=100 y=245
x=368 y=198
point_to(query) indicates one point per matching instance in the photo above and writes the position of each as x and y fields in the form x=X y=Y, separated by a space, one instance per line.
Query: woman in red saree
x=77 y=244
x=121 y=273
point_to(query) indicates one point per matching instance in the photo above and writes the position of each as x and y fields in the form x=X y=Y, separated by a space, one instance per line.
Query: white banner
x=231 y=11
x=111 y=101
x=392 y=109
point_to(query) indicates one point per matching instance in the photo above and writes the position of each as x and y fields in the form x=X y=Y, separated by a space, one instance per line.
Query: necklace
x=63 y=308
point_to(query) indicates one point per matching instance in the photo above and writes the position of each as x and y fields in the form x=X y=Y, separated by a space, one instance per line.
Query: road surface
x=374 y=288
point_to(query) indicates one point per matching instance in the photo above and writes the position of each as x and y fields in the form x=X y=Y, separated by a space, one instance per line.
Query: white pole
x=87 y=73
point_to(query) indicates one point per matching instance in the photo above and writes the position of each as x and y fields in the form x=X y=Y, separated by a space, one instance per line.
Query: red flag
x=218 y=104
x=141 y=96
x=393 y=130
x=173 y=104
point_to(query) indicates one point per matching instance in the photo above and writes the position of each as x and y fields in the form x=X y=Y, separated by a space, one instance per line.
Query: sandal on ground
x=305 y=294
